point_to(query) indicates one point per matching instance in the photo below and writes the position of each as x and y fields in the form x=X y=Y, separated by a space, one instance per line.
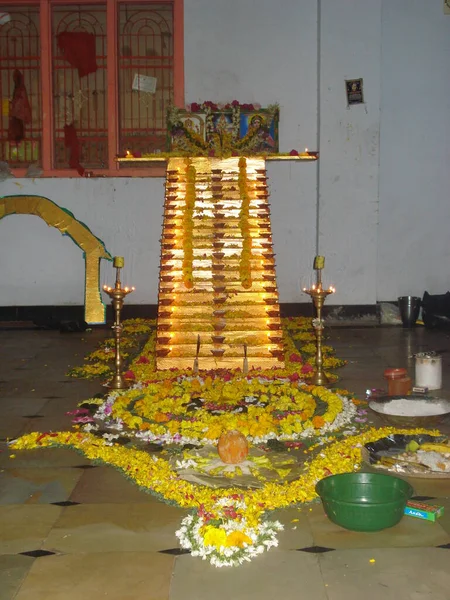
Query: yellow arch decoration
x=93 y=248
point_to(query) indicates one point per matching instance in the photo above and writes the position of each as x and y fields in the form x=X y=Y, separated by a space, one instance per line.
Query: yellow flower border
x=290 y=409
x=156 y=475
x=99 y=363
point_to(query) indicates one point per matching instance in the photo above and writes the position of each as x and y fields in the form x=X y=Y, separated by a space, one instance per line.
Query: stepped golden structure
x=218 y=298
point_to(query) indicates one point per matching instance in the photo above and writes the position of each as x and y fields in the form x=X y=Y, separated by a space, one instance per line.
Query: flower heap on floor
x=229 y=524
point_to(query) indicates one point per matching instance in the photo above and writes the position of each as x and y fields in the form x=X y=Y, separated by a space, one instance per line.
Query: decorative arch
x=93 y=248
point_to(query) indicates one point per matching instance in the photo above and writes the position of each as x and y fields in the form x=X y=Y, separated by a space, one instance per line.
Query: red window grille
x=80 y=100
x=20 y=143
x=138 y=37
x=146 y=54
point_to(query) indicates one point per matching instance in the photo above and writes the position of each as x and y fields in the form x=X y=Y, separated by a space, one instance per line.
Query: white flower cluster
x=186 y=464
x=318 y=323
x=263 y=537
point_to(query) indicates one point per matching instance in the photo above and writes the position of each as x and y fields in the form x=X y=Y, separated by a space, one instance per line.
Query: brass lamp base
x=320 y=379
x=117 y=383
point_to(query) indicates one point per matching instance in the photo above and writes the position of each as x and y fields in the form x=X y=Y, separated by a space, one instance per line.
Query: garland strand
x=244 y=214
x=188 y=226
x=156 y=475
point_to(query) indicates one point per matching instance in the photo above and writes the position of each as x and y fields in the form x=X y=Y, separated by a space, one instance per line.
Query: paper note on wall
x=4 y=18
x=144 y=83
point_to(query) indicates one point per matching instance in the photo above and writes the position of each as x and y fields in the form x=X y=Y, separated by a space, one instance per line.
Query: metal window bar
x=145 y=48
x=20 y=49
x=80 y=100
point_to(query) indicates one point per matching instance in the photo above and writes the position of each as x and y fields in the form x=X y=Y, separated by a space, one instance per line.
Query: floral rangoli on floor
x=159 y=428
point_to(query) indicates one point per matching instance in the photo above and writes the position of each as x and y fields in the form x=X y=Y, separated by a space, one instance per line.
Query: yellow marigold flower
x=214 y=537
x=237 y=538
x=133 y=422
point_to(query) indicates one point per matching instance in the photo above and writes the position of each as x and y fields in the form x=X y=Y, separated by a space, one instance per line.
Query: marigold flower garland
x=156 y=475
x=188 y=226
x=244 y=215
x=99 y=363
x=260 y=409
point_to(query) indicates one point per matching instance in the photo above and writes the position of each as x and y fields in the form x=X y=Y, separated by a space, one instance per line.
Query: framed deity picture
x=191 y=126
x=231 y=130
x=354 y=89
x=263 y=127
x=221 y=122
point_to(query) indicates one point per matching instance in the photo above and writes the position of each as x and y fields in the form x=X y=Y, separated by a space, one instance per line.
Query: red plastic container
x=399 y=383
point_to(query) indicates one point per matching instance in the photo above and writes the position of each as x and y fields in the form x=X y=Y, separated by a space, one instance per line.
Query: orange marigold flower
x=318 y=422
x=161 y=417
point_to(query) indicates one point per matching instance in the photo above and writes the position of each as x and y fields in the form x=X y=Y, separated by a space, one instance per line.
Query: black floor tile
x=37 y=553
x=315 y=549
x=422 y=498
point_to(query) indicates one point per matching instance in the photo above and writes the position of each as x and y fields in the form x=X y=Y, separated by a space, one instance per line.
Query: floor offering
x=72 y=527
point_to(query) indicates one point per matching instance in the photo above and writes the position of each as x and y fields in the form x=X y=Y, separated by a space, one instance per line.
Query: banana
x=431 y=447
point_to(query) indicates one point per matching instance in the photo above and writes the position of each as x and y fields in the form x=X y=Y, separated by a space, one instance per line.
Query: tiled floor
x=70 y=530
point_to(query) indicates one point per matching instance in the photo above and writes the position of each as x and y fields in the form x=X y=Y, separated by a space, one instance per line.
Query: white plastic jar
x=429 y=371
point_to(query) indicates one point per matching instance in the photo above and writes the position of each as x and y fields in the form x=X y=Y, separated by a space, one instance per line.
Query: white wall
x=45 y=268
x=413 y=240
x=261 y=51
x=349 y=147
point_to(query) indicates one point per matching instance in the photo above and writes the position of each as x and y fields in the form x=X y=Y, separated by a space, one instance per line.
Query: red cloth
x=78 y=48
x=71 y=142
x=20 y=109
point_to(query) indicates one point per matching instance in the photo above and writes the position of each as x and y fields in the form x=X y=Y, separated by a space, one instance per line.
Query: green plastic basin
x=364 y=501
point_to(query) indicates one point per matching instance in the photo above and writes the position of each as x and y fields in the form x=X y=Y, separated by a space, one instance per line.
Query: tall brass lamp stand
x=318 y=295
x=117 y=295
